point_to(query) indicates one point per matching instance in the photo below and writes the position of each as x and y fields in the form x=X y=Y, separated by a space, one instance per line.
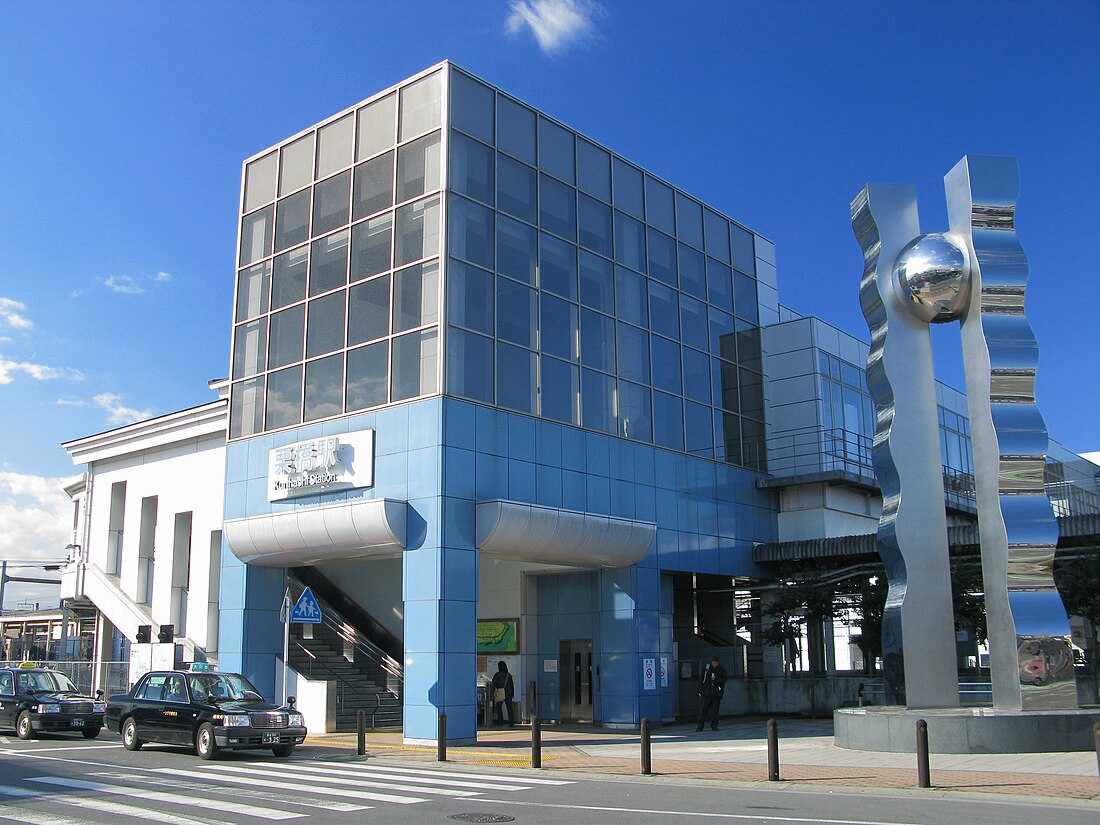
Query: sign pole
x=286 y=637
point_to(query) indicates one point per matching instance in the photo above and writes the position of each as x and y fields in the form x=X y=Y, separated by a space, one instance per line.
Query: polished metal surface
x=934 y=275
x=976 y=273
x=918 y=631
x=1030 y=655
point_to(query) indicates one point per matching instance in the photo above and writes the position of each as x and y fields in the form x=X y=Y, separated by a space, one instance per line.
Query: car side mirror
x=290 y=700
x=99 y=694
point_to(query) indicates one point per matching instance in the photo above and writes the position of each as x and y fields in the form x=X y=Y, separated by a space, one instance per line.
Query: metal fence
x=110 y=677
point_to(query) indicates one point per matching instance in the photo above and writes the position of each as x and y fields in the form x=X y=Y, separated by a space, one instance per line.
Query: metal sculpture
x=977 y=274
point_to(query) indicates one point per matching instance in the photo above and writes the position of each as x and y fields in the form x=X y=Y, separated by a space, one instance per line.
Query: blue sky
x=124 y=125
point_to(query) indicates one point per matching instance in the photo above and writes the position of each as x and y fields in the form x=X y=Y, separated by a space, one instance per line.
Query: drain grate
x=482 y=817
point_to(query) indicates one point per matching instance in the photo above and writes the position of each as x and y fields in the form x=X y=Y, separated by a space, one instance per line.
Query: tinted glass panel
x=472 y=168
x=629 y=242
x=471 y=232
x=515 y=378
x=724 y=383
x=517 y=249
x=659 y=209
x=662 y=257
x=249 y=348
x=597 y=401
x=377 y=127
x=560 y=395
x=367 y=376
x=296 y=166
x=628 y=188
x=555 y=150
x=325 y=325
x=635 y=416
x=331 y=203
x=414 y=365
x=693 y=276
x=288 y=284
x=698 y=430
x=745 y=299
x=630 y=297
x=470 y=365
x=416 y=296
x=744 y=257
x=515 y=312
x=689 y=221
x=369 y=310
x=324 y=387
x=516 y=189
x=373 y=186
x=371 y=243
x=696 y=376
x=246 y=407
x=693 y=322
x=421 y=106
x=471 y=106
x=284 y=398
x=252 y=288
x=719 y=285
x=727 y=437
x=558 y=266
x=292 y=220
x=717 y=231
x=328 y=263
x=594 y=220
x=470 y=301
x=417 y=231
x=558 y=328
x=633 y=346
x=557 y=208
x=748 y=346
x=664 y=310
x=515 y=129
x=335 y=144
x=284 y=344
x=666 y=365
x=751 y=388
x=597 y=283
x=593 y=170
x=256 y=236
x=597 y=341
x=259 y=181
x=668 y=421
x=418 y=167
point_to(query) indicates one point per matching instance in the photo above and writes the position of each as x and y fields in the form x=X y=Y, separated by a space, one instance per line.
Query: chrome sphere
x=934 y=277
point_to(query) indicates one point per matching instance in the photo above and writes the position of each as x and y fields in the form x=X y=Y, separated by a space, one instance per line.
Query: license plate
x=270 y=739
x=77 y=723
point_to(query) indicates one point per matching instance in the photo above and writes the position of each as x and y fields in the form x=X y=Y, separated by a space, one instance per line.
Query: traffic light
x=144 y=634
x=166 y=634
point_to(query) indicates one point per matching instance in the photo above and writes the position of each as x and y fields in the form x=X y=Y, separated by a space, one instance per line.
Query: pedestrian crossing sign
x=306 y=610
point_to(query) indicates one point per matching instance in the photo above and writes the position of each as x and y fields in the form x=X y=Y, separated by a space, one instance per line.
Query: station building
x=496 y=394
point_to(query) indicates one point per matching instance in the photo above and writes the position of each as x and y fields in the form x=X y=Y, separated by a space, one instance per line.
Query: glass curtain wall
x=584 y=290
x=338 y=283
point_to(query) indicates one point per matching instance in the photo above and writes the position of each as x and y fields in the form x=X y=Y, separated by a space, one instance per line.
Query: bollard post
x=924 y=778
x=647 y=760
x=1096 y=739
x=441 y=739
x=361 y=730
x=773 y=751
x=536 y=742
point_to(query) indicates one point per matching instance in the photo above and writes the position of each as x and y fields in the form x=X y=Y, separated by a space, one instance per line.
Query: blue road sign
x=306 y=610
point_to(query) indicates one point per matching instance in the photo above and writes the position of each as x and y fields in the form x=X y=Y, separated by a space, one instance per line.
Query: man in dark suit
x=711 y=688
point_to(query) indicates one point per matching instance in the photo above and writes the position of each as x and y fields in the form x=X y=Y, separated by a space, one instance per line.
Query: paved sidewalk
x=738 y=753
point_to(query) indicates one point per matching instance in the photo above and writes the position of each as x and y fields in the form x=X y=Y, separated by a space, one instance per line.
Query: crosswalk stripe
x=358 y=782
x=105 y=806
x=171 y=798
x=370 y=773
x=295 y=786
x=38 y=818
x=206 y=787
x=430 y=772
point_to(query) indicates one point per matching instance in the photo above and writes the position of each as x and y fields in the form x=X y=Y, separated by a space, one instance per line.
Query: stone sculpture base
x=965 y=730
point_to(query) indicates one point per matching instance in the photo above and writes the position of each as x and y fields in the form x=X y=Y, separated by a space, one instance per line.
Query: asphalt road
x=60 y=780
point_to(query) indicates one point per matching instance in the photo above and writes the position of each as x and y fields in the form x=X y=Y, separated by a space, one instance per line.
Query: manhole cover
x=482 y=817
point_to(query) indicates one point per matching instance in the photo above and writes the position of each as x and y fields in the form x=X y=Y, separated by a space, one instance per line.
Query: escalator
x=351 y=651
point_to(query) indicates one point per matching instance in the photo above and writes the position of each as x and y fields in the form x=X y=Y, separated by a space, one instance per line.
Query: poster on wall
x=664 y=671
x=497 y=636
x=649 y=674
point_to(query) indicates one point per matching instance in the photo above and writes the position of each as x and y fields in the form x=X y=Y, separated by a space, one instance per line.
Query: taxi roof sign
x=306 y=610
x=201 y=667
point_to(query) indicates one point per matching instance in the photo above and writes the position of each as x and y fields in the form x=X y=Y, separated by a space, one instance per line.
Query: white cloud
x=39 y=372
x=70 y=402
x=556 y=24
x=10 y=310
x=124 y=284
x=37 y=518
x=161 y=277
x=111 y=404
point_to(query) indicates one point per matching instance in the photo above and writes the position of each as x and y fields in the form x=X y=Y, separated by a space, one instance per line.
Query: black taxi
x=206 y=710
x=34 y=699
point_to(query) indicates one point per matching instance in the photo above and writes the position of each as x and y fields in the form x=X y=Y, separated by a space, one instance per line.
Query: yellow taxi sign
x=27 y=665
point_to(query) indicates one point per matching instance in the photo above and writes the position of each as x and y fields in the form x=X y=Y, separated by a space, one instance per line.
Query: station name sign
x=321 y=465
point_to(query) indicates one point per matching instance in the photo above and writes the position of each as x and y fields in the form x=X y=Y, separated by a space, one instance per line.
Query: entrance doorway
x=576 y=680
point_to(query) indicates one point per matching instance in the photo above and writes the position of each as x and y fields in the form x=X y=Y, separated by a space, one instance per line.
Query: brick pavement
x=602 y=752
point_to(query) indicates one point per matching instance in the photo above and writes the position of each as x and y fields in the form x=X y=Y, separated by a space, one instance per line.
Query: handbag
x=498 y=695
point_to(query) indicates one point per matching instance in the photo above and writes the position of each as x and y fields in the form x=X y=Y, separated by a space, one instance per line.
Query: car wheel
x=205 y=745
x=90 y=733
x=23 y=727
x=283 y=750
x=130 y=739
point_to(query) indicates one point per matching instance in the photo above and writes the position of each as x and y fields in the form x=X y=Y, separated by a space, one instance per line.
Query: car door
x=176 y=713
x=7 y=700
x=148 y=707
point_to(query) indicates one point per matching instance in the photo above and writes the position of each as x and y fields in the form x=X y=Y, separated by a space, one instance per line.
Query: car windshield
x=222 y=687
x=42 y=681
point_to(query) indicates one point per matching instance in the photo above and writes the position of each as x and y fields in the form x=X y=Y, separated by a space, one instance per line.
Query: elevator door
x=576 y=680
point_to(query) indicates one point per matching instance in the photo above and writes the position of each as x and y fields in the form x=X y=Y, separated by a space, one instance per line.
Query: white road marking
x=72 y=748
x=38 y=818
x=359 y=782
x=171 y=798
x=295 y=786
x=699 y=814
x=116 y=808
x=367 y=772
x=463 y=775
